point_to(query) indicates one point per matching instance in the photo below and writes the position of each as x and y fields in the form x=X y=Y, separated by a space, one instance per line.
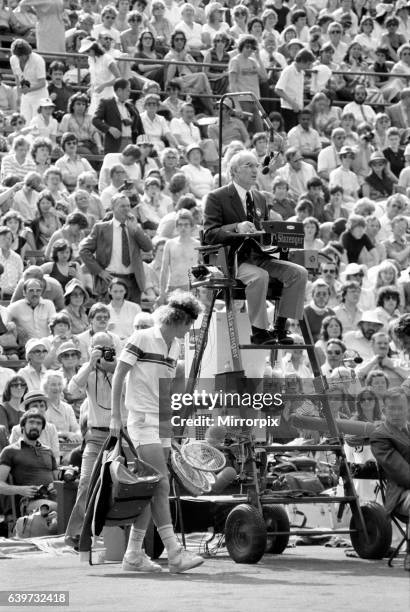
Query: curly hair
x=182 y=307
x=247 y=39
x=401 y=328
x=346 y=286
x=38 y=143
x=13 y=214
x=79 y=96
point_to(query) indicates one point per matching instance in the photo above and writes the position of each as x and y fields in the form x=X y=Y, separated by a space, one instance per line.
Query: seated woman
x=11 y=407
x=200 y=178
x=215 y=23
x=47 y=220
x=155 y=125
x=379 y=383
x=75 y=297
x=387 y=305
x=62 y=267
x=218 y=54
x=72 y=231
x=129 y=38
x=44 y=124
x=68 y=356
x=240 y=16
x=23 y=238
x=122 y=311
x=77 y=121
x=19 y=161
x=331 y=328
x=58 y=412
x=382 y=123
x=60 y=328
x=387 y=276
x=367 y=39
x=359 y=248
x=153 y=205
x=354 y=71
x=146 y=50
x=311 y=228
x=40 y=151
x=325 y=117
x=191 y=79
x=379 y=184
x=348 y=123
x=160 y=25
x=71 y=165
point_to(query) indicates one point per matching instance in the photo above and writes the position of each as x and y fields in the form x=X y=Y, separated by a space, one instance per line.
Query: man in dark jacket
x=118 y=119
x=390 y=443
x=238 y=209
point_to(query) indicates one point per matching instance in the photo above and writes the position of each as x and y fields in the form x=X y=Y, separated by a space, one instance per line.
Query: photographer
x=29 y=70
x=94 y=378
x=30 y=464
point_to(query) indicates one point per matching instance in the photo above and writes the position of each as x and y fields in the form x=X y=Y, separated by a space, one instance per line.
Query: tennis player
x=150 y=358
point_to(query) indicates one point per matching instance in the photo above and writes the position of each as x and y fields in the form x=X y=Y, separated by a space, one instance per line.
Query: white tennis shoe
x=139 y=562
x=184 y=560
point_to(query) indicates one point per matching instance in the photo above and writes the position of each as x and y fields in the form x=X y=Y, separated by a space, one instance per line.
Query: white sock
x=135 y=540
x=169 y=539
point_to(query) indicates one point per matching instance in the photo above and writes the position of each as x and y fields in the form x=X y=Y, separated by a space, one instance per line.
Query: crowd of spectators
x=108 y=153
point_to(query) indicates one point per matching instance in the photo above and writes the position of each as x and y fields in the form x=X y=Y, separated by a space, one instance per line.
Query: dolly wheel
x=152 y=542
x=276 y=519
x=245 y=534
x=379 y=529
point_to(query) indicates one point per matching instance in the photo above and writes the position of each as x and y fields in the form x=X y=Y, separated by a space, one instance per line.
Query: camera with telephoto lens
x=108 y=353
x=25 y=83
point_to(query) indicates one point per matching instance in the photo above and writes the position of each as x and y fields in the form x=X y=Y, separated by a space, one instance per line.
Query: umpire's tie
x=250 y=208
x=125 y=247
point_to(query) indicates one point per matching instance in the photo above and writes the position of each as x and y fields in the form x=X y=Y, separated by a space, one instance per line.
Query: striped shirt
x=153 y=367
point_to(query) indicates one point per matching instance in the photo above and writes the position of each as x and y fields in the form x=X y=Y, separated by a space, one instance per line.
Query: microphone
x=267 y=160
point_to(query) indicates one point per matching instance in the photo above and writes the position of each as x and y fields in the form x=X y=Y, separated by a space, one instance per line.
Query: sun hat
x=34 y=396
x=34 y=343
x=377 y=156
x=67 y=347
